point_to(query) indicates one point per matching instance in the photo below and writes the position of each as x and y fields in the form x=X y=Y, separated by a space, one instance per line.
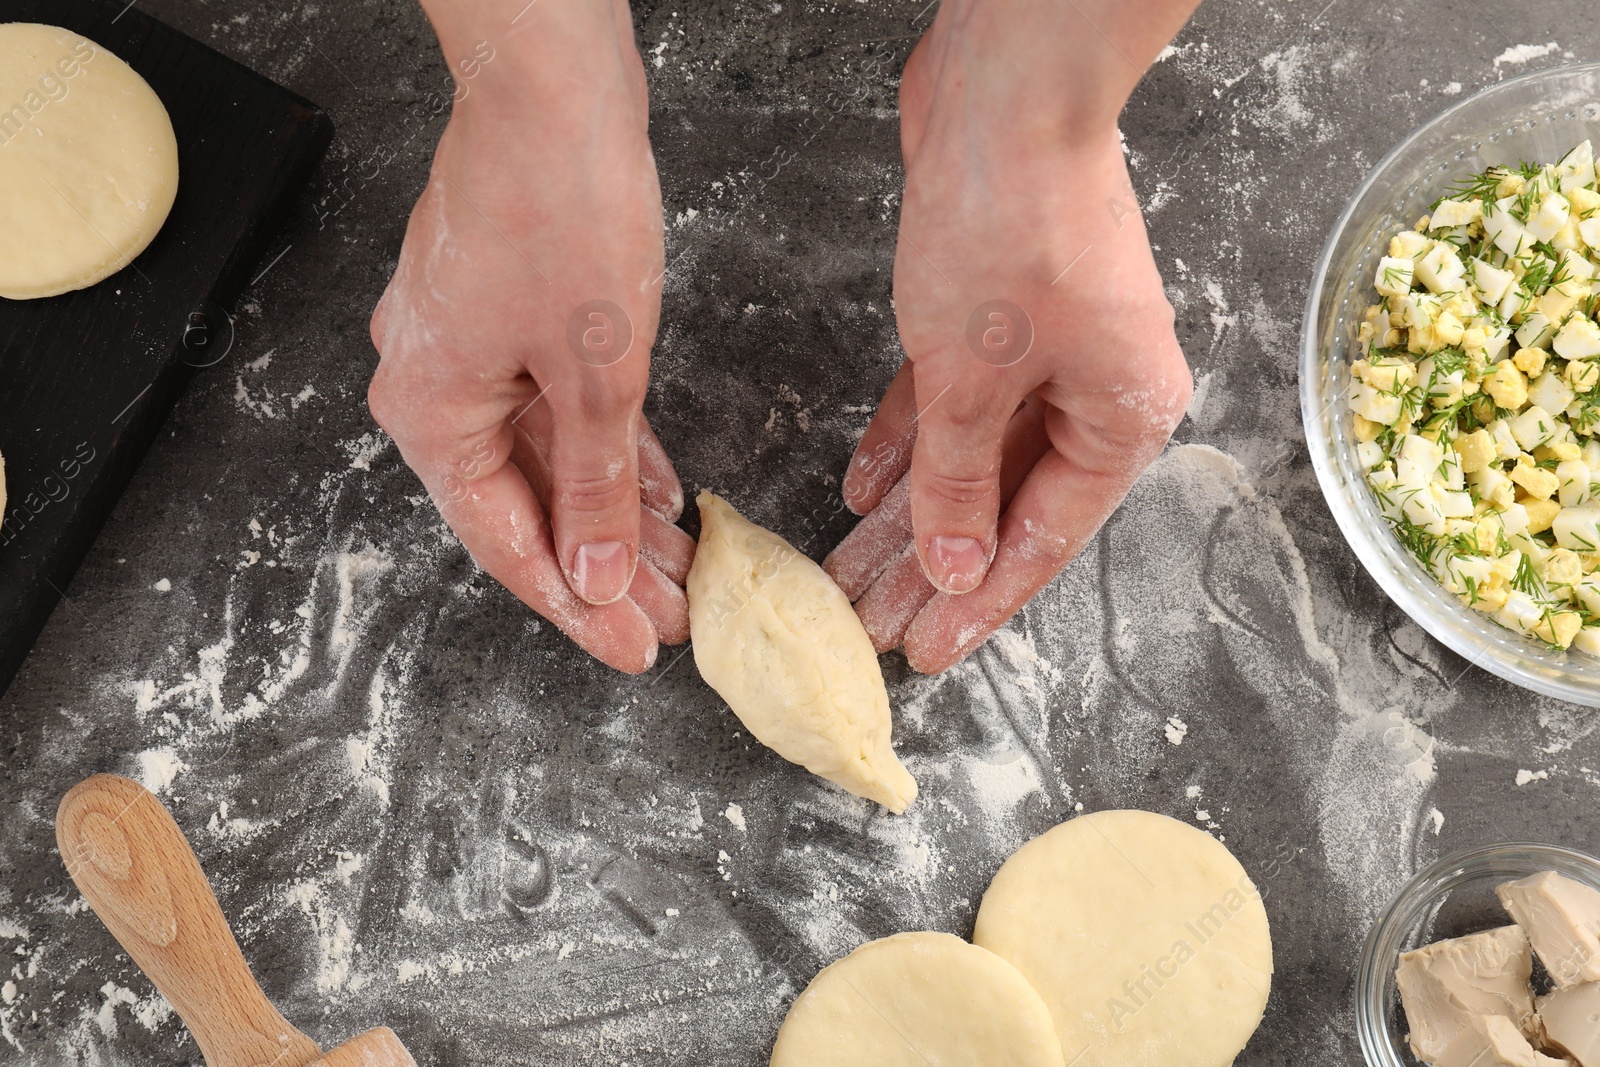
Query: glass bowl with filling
x=1450 y=379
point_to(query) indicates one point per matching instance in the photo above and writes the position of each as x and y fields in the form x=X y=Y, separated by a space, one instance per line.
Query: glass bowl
x=1451 y=898
x=1535 y=117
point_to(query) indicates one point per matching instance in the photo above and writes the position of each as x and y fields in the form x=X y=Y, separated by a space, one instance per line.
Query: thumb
x=955 y=482
x=594 y=495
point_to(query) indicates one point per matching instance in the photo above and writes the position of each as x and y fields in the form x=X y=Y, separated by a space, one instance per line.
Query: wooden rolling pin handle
x=133 y=865
x=378 y=1047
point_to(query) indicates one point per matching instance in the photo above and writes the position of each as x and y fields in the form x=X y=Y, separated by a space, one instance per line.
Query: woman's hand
x=515 y=335
x=1042 y=372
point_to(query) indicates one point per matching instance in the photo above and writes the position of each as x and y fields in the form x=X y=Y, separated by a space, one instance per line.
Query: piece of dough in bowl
x=915 y=1000
x=1146 y=938
x=780 y=642
x=88 y=162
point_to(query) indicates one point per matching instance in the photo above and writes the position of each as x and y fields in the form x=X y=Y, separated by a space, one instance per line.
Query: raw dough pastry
x=88 y=162
x=780 y=642
x=1144 y=935
x=918 y=1000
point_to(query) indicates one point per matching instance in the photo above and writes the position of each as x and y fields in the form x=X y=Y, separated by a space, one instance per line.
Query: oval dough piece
x=1146 y=938
x=780 y=642
x=88 y=162
x=918 y=1000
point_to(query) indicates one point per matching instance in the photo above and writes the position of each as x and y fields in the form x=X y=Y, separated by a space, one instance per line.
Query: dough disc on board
x=918 y=1000
x=1146 y=938
x=88 y=162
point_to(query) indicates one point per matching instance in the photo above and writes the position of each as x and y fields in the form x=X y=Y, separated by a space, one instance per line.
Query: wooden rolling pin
x=133 y=865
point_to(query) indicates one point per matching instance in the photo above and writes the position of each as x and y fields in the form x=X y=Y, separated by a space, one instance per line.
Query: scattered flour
x=1289 y=69
x=1210 y=566
x=159 y=768
x=335 y=940
x=1519 y=54
x=1176 y=730
x=1221 y=320
x=1197 y=398
x=365 y=449
x=223 y=824
x=152 y=1012
x=115 y=996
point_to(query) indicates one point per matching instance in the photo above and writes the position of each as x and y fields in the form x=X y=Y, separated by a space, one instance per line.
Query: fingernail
x=956 y=564
x=600 y=571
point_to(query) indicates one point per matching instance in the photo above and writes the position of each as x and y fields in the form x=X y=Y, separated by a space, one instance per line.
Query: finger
x=664 y=546
x=875 y=542
x=884 y=454
x=594 y=483
x=661 y=543
x=1026 y=442
x=378 y=325
x=659 y=487
x=955 y=479
x=486 y=499
x=662 y=601
x=532 y=455
x=880 y=538
x=504 y=529
x=1058 y=509
x=915 y=100
x=900 y=592
x=665 y=551
x=1100 y=444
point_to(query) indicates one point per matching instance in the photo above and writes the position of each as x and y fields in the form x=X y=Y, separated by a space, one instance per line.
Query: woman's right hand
x=515 y=334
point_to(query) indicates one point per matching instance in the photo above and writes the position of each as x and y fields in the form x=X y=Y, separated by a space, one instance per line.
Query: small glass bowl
x=1451 y=898
x=1539 y=116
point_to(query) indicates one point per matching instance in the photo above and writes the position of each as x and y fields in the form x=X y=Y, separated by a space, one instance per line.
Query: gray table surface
x=422 y=806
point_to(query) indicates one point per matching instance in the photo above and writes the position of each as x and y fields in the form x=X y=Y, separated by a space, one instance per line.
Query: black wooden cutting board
x=86 y=379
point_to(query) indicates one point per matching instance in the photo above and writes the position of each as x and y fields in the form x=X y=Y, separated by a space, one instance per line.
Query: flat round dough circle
x=918 y=1000
x=1146 y=938
x=88 y=162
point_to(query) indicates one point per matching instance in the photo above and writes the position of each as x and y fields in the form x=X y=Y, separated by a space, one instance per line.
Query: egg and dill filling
x=1476 y=400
